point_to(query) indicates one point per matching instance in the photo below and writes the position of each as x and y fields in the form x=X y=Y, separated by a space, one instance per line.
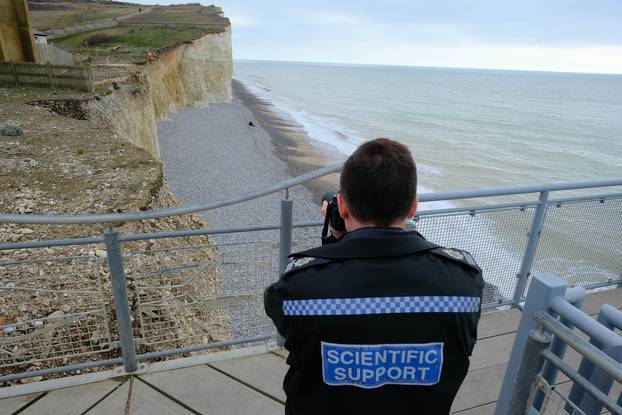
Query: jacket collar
x=371 y=243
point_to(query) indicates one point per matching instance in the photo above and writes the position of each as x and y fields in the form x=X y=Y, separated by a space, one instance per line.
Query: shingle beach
x=210 y=153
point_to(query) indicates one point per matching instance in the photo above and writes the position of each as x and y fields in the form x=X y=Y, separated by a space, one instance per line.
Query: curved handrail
x=160 y=213
x=504 y=191
x=255 y=194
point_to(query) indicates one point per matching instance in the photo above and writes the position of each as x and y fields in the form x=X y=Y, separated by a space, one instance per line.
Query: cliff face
x=191 y=74
x=79 y=161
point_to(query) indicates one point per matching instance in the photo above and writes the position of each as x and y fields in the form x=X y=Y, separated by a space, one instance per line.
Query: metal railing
x=185 y=291
x=530 y=385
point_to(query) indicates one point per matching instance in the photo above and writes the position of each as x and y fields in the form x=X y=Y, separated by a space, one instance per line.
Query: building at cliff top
x=16 y=40
x=40 y=37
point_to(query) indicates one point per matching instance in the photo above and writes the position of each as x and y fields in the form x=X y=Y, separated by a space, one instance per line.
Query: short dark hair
x=379 y=182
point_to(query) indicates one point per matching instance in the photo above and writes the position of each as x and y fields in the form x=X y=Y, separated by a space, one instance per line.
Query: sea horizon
x=426 y=67
x=467 y=128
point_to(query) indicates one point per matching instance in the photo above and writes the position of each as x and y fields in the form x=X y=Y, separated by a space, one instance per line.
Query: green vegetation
x=181 y=14
x=45 y=15
x=100 y=39
x=44 y=19
x=133 y=37
x=71 y=13
x=107 y=14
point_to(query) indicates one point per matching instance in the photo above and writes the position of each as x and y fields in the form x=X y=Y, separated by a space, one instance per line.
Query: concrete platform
x=252 y=384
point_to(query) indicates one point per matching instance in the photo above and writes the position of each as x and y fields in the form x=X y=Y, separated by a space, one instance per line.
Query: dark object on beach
x=10 y=130
x=251 y=124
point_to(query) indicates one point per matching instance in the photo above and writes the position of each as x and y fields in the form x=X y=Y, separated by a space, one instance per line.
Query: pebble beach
x=210 y=153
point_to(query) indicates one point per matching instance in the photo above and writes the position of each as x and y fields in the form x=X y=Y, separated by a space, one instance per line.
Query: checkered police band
x=381 y=305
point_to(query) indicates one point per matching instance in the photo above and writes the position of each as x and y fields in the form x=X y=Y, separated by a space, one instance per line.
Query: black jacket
x=382 y=322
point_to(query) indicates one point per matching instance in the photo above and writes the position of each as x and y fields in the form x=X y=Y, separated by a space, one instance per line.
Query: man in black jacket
x=382 y=321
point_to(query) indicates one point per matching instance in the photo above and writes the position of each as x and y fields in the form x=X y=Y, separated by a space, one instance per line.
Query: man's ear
x=413 y=209
x=343 y=207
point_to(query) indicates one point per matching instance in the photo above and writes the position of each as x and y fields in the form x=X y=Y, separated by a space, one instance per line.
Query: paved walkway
x=252 y=385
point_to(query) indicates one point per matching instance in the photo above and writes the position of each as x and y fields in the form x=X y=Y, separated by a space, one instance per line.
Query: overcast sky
x=555 y=35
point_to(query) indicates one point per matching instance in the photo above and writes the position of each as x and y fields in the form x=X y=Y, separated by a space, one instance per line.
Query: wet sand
x=291 y=142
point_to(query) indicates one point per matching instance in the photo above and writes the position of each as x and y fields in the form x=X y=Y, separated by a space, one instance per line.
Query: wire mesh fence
x=248 y=268
x=306 y=238
x=555 y=397
x=495 y=237
x=581 y=241
x=52 y=310
x=181 y=300
x=556 y=401
x=186 y=293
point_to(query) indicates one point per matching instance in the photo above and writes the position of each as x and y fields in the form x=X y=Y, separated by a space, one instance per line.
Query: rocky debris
x=72 y=108
x=55 y=316
x=29 y=163
x=31 y=379
x=26 y=200
x=70 y=166
x=14 y=233
x=10 y=130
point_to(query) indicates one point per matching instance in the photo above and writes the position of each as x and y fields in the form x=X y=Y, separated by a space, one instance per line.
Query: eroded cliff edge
x=197 y=72
x=98 y=153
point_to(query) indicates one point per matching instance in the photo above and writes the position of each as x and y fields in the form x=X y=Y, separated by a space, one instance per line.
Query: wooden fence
x=55 y=56
x=53 y=76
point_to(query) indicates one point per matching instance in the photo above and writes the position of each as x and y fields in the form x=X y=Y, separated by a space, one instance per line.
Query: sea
x=474 y=129
x=466 y=128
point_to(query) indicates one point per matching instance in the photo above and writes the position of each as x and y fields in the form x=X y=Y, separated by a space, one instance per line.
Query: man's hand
x=336 y=234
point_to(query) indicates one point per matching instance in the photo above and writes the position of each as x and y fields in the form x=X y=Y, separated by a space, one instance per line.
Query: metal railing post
x=121 y=303
x=589 y=371
x=530 y=366
x=285 y=241
x=558 y=347
x=532 y=245
x=543 y=289
x=601 y=381
x=285 y=237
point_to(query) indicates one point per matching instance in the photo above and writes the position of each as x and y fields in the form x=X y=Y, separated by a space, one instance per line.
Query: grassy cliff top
x=46 y=14
x=136 y=37
x=124 y=44
x=50 y=14
x=193 y=14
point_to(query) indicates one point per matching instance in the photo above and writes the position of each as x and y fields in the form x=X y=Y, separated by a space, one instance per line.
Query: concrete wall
x=16 y=40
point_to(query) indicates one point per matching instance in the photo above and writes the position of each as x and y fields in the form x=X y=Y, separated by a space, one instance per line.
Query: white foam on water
x=319 y=129
x=331 y=132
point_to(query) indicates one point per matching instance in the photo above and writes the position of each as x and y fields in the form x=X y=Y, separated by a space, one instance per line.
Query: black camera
x=333 y=218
